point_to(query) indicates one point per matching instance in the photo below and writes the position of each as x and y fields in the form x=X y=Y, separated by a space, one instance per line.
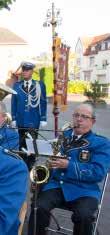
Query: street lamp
x=53 y=19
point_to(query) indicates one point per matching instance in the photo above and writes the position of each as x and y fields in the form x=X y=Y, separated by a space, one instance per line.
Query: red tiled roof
x=8 y=37
x=95 y=40
x=99 y=38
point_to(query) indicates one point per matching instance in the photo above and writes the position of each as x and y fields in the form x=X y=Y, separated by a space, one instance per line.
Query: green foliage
x=46 y=74
x=77 y=87
x=94 y=94
x=5 y=4
x=42 y=73
x=35 y=75
x=49 y=80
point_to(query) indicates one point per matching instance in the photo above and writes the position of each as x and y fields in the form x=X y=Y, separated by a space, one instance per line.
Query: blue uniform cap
x=27 y=66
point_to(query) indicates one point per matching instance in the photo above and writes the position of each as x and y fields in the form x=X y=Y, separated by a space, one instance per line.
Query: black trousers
x=29 y=160
x=83 y=212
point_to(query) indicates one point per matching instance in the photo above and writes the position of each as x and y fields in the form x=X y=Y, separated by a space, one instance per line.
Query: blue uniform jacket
x=88 y=164
x=13 y=190
x=9 y=138
x=25 y=115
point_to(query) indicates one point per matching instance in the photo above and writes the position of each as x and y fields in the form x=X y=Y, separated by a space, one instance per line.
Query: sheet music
x=44 y=147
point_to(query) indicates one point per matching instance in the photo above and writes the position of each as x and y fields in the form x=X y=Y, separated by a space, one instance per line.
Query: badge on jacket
x=84 y=156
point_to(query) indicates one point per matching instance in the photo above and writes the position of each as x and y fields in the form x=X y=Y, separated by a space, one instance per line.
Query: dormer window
x=103 y=46
x=109 y=45
x=93 y=48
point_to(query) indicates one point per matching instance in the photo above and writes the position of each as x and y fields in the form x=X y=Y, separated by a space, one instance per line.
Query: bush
x=77 y=87
x=94 y=93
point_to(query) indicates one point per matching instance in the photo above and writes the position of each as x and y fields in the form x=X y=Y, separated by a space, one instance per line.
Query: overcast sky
x=79 y=18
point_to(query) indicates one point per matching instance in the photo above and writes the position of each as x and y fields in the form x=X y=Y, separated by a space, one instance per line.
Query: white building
x=13 y=50
x=93 y=60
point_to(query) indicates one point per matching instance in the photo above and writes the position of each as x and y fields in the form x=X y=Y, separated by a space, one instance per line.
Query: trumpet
x=40 y=172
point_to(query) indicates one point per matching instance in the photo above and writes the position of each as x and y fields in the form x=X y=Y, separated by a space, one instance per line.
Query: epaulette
x=102 y=136
x=68 y=132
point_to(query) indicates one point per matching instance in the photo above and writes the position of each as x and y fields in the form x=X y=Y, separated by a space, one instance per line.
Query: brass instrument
x=5 y=90
x=40 y=172
x=8 y=118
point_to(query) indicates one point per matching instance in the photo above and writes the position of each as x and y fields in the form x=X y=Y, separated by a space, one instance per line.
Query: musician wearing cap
x=74 y=181
x=29 y=106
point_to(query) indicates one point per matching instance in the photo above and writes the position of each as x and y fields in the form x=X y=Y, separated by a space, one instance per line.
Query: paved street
x=102 y=127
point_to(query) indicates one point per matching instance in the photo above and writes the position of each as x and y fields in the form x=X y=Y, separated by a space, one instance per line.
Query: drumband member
x=74 y=181
x=29 y=105
x=13 y=174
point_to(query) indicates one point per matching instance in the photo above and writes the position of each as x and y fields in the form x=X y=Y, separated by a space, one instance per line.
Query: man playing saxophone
x=74 y=182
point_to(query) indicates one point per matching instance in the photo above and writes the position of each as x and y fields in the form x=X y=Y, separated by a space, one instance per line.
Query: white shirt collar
x=78 y=136
x=29 y=83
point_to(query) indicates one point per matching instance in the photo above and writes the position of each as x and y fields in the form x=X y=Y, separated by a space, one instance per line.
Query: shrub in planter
x=94 y=94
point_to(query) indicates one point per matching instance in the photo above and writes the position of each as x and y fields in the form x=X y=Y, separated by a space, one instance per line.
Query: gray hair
x=89 y=107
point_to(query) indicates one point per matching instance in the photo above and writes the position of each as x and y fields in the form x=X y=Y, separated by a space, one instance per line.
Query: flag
x=62 y=75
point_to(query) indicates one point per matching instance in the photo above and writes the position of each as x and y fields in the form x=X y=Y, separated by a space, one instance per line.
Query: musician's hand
x=58 y=163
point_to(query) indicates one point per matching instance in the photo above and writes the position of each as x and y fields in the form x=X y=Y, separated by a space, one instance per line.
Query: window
x=87 y=75
x=104 y=64
x=91 y=61
x=108 y=45
x=101 y=78
x=93 y=48
x=103 y=46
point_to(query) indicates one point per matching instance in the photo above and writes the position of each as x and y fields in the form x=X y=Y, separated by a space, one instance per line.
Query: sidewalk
x=82 y=98
x=76 y=98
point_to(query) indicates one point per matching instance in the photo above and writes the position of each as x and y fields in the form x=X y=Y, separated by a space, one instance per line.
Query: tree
x=94 y=94
x=5 y=4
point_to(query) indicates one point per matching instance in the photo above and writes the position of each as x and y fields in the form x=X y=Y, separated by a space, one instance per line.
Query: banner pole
x=55 y=101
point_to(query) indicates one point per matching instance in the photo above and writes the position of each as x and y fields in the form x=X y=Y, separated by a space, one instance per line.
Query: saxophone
x=40 y=172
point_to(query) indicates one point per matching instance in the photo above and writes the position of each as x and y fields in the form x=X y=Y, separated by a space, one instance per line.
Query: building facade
x=93 y=60
x=13 y=50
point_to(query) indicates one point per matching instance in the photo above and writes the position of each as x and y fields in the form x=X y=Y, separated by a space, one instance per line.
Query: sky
x=79 y=18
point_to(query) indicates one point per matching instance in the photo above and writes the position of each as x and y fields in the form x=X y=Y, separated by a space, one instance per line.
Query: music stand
x=34 y=146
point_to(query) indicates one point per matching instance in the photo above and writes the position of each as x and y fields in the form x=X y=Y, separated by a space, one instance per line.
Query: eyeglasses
x=83 y=116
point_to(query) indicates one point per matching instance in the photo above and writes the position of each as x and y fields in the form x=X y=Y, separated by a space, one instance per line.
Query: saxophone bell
x=40 y=172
